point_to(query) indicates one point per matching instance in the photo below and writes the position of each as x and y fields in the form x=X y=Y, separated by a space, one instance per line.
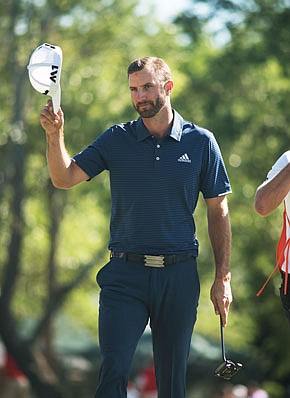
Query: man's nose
x=141 y=94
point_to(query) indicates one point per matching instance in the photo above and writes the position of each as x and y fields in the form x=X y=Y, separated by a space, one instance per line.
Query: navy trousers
x=133 y=295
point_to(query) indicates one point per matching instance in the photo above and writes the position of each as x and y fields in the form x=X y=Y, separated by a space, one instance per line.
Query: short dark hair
x=157 y=64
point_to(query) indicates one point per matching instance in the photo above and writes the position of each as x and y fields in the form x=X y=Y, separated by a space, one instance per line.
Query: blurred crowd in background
x=252 y=390
x=14 y=384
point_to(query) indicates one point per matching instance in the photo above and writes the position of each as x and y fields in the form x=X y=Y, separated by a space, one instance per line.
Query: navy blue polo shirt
x=155 y=183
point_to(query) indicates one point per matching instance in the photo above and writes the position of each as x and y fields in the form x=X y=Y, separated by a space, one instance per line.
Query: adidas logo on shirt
x=184 y=158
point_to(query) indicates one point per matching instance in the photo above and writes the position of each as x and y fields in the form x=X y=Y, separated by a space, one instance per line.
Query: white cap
x=44 y=71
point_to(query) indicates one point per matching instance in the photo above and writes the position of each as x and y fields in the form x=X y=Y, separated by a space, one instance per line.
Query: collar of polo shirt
x=176 y=131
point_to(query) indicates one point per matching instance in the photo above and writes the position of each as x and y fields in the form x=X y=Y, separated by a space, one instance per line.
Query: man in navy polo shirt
x=158 y=164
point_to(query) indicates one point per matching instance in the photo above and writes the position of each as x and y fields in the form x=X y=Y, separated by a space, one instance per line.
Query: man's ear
x=169 y=87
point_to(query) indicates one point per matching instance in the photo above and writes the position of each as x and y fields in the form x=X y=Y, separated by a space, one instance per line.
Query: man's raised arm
x=64 y=173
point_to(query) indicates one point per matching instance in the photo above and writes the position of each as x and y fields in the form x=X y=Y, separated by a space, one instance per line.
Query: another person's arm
x=64 y=172
x=220 y=236
x=271 y=193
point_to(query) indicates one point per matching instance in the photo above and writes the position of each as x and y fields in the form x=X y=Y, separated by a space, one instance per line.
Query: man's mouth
x=142 y=104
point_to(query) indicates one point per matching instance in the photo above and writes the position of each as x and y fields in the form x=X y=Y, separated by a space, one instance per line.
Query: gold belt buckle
x=154 y=261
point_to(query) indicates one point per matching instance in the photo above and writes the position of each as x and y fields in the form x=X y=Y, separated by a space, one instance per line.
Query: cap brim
x=56 y=97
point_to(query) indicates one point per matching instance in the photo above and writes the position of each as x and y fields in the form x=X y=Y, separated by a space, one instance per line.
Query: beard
x=148 y=109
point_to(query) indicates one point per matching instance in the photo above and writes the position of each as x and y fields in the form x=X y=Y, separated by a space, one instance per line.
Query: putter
x=228 y=368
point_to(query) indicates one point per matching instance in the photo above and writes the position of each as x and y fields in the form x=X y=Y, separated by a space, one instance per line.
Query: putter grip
x=222 y=339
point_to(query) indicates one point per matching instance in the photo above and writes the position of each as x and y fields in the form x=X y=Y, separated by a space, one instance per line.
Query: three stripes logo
x=184 y=158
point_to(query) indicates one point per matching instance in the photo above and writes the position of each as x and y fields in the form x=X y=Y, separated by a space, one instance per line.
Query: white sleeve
x=279 y=165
